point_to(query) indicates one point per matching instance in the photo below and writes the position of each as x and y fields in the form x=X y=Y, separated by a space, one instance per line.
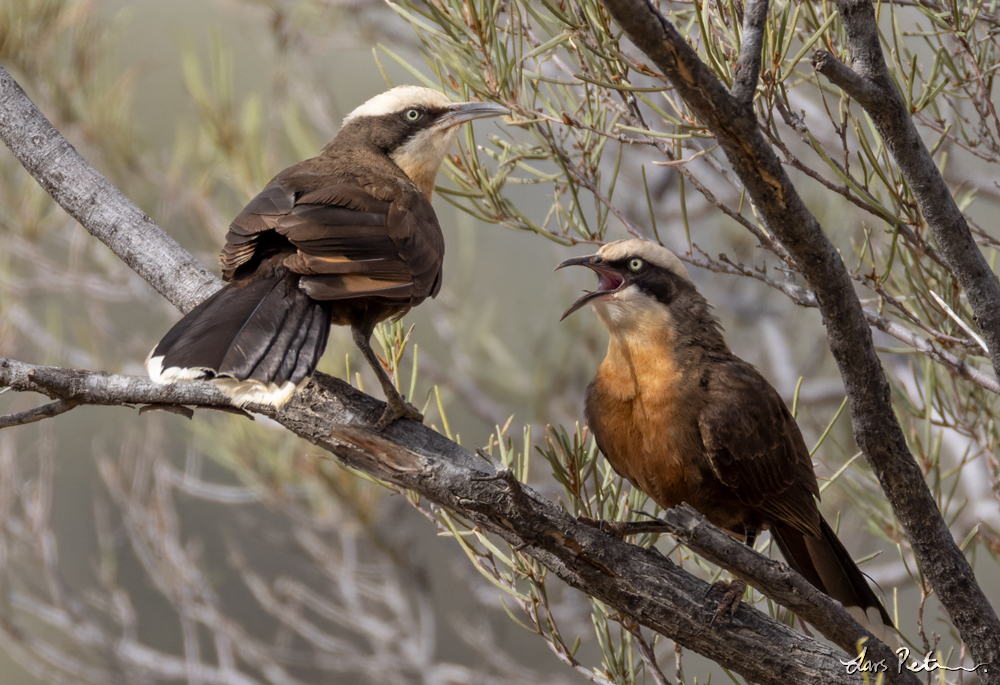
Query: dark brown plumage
x=348 y=237
x=685 y=420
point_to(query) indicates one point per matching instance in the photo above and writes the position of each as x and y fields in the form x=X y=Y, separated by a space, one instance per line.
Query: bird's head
x=415 y=127
x=639 y=284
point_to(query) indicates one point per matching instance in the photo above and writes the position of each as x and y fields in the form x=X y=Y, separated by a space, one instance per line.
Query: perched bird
x=685 y=420
x=348 y=238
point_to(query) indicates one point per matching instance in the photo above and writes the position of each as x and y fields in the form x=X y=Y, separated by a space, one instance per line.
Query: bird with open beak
x=348 y=237
x=685 y=420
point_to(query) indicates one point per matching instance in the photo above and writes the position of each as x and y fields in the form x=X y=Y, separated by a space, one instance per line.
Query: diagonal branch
x=876 y=428
x=635 y=581
x=868 y=81
x=100 y=207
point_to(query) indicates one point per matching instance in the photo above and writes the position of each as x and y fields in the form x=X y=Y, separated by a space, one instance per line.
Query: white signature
x=861 y=664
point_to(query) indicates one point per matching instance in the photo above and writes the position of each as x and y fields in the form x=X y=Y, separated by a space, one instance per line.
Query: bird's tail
x=825 y=563
x=259 y=340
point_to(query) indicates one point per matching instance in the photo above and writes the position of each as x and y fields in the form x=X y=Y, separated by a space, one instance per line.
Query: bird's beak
x=611 y=279
x=461 y=112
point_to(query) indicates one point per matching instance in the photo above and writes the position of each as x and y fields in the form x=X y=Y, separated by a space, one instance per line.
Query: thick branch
x=868 y=81
x=638 y=582
x=99 y=207
x=876 y=429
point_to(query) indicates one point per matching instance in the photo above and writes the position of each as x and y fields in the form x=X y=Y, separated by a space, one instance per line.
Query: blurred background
x=148 y=548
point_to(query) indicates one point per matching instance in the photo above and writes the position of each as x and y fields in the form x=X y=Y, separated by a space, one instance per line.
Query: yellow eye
x=635 y=264
x=412 y=114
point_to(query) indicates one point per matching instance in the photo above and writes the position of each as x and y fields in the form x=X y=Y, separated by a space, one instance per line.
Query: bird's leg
x=734 y=589
x=397 y=407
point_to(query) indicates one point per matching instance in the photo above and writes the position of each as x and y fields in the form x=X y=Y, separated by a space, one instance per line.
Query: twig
x=46 y=411
x=662 y=596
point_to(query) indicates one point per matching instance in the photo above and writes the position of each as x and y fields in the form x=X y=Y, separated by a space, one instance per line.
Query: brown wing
x=755 y=447
x=345 y=242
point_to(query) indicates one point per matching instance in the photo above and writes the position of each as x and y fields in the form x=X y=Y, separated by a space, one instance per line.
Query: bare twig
x=100 y=207
x=38 y=413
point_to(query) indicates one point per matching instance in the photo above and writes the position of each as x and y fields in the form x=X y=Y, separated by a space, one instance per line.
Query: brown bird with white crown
x=348 y=237
x=685 y=420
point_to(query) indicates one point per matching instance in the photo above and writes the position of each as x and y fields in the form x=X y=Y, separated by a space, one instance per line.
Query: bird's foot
x=732 y=595
x=398 y=408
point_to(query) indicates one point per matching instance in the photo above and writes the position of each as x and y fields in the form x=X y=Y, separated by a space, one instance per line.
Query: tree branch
x=747 y=68
x=876 y=428
x=868 y=81
x=635 y=581
x=46 y=411
x=99 y=206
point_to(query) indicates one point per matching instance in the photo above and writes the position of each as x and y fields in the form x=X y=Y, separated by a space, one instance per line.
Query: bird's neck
x=347 y=157
x=422 y=173
x=421 y=157
x=640 y=360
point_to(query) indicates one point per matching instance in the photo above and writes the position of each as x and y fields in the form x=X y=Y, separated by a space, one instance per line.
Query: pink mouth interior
x=609 y=280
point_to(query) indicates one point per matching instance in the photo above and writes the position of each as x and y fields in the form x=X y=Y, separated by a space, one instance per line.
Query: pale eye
x=635 y=264
x=412 y=114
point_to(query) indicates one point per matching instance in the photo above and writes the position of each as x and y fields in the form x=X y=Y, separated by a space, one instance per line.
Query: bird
x=346 y=238
x=684 y=419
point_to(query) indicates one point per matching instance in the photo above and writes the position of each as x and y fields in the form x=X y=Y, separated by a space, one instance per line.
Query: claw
x=732 y=596
x=398 y=408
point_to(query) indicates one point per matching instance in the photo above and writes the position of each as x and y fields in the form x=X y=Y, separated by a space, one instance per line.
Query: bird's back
x=351 y=225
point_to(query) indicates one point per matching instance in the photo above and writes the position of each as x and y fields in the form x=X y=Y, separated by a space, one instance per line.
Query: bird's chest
x=643 y=410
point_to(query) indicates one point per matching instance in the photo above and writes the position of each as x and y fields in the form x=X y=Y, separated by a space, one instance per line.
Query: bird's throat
x=638 y=364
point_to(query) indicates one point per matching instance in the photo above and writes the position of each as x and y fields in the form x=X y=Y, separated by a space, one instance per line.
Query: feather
x=259 y=340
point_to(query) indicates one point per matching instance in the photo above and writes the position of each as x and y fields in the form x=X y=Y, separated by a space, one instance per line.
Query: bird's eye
x=412 y=114
x=635 y=264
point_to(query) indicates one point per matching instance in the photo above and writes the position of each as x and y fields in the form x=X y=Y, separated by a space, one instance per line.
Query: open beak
x=610 y=279
x=461 y=112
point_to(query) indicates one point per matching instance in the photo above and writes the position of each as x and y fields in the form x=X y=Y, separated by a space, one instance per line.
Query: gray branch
x=876 y=429
x=46 y=411
x=100 y=207
x=868 y=81
x=635 y=581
